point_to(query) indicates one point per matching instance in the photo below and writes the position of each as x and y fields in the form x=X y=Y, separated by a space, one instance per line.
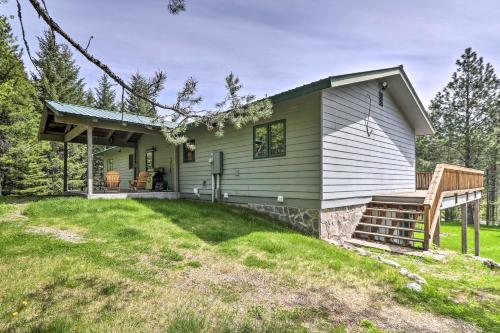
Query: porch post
x=90 y=163
x=464 y=227
x=175 y=173
x=476 y=227
x=136 y=160
x=65 y=167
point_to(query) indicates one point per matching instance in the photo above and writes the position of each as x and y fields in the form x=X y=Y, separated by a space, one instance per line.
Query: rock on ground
x=414 y=286
x=388 y=262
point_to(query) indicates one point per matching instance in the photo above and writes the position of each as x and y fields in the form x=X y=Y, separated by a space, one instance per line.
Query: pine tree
x=22 y=156
x=105 y=95
x=89 y=99
x=150 y=88
x=465 y=114
x=462 y=112
x=58 y=78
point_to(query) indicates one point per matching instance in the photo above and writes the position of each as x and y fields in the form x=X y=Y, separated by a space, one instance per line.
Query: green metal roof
x=324 y=83
x=338 y=80
x=86 y=111
x=305 y=89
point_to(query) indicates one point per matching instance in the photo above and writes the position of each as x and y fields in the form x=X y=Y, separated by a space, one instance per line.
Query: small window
x=189 y=151
x=269 y=140
x=109 y=165
x=150 y=160
x=131 y=161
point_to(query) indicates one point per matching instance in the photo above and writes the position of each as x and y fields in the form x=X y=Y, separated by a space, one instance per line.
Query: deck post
x=437 y=239
x=464 y=227
x=65 y=167
x=427 y=221
x=476 y=227
x=90 y=162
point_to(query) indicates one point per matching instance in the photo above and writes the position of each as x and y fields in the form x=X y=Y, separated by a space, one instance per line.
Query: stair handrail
x=446 y=177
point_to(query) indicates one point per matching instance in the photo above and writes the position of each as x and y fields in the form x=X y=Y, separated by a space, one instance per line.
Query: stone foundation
x=340 y=223
x=302 y=219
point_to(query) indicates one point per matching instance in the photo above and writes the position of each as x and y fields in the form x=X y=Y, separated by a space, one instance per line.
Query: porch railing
x=445 y=178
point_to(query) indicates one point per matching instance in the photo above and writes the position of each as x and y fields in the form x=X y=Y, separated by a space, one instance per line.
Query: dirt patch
x=65 y=235
x=241 y=288
x=15 y=215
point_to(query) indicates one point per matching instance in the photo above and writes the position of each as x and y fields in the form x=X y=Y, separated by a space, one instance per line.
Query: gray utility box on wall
x=217 y=162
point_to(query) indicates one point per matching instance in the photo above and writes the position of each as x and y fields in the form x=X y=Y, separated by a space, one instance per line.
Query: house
x=336 y=159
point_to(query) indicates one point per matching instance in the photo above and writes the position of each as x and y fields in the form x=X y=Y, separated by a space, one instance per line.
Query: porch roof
x=84 y=111
x=69 y=123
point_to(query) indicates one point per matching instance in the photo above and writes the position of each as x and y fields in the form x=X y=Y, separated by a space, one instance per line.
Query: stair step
x=372 y=225
x=416 y=212
x=396 y=203
x=392 y=218
x=388 y=236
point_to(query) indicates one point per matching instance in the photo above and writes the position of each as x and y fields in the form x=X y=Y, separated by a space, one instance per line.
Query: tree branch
x=55 y=27
x=23 y=33
x=240 y=109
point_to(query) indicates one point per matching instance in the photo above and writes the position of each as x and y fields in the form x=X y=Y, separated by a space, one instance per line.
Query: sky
x=273 y=45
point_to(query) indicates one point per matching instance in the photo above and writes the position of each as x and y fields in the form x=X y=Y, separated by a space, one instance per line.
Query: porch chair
x=112 y=181
x=140 y=182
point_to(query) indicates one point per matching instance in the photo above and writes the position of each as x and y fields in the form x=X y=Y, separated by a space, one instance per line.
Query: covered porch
x=140 y=135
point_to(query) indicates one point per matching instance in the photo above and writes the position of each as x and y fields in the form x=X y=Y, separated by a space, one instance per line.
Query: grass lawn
x=69 y=264
x=489 y=239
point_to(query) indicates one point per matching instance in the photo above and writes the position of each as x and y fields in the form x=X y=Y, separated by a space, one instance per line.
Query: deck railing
x=445 y=178
x=423 y=180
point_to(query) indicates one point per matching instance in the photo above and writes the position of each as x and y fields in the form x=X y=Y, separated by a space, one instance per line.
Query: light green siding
x=296 y=176
x=358 y=164
x=163 y=156
x=120 y=164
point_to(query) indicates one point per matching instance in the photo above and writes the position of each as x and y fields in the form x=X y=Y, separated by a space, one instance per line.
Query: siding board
x=295 y=176
x=356 y=166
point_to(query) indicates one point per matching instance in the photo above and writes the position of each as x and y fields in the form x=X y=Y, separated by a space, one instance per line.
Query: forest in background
x=32 y=167
x=465 y=114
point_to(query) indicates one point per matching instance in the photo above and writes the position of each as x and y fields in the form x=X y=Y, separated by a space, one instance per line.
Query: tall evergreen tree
x=58 y=78
x=105 y=95
x=89 y=99
x=143 y=86
x=22 y=157
x=465 y=114
x=462 y=112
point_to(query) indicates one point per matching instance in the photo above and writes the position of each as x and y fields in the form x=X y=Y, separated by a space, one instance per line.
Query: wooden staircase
x=393 y=220
x=413 y=219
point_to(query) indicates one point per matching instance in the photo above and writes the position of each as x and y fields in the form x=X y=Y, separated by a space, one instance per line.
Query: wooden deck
x=412 y=219
x=125 y=195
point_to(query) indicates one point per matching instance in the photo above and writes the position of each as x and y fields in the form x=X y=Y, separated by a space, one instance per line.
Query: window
x=109 y=165
x=188 y=150
x=269 y=140
x=150 y=160
x=260 y=143
x=131 y=161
